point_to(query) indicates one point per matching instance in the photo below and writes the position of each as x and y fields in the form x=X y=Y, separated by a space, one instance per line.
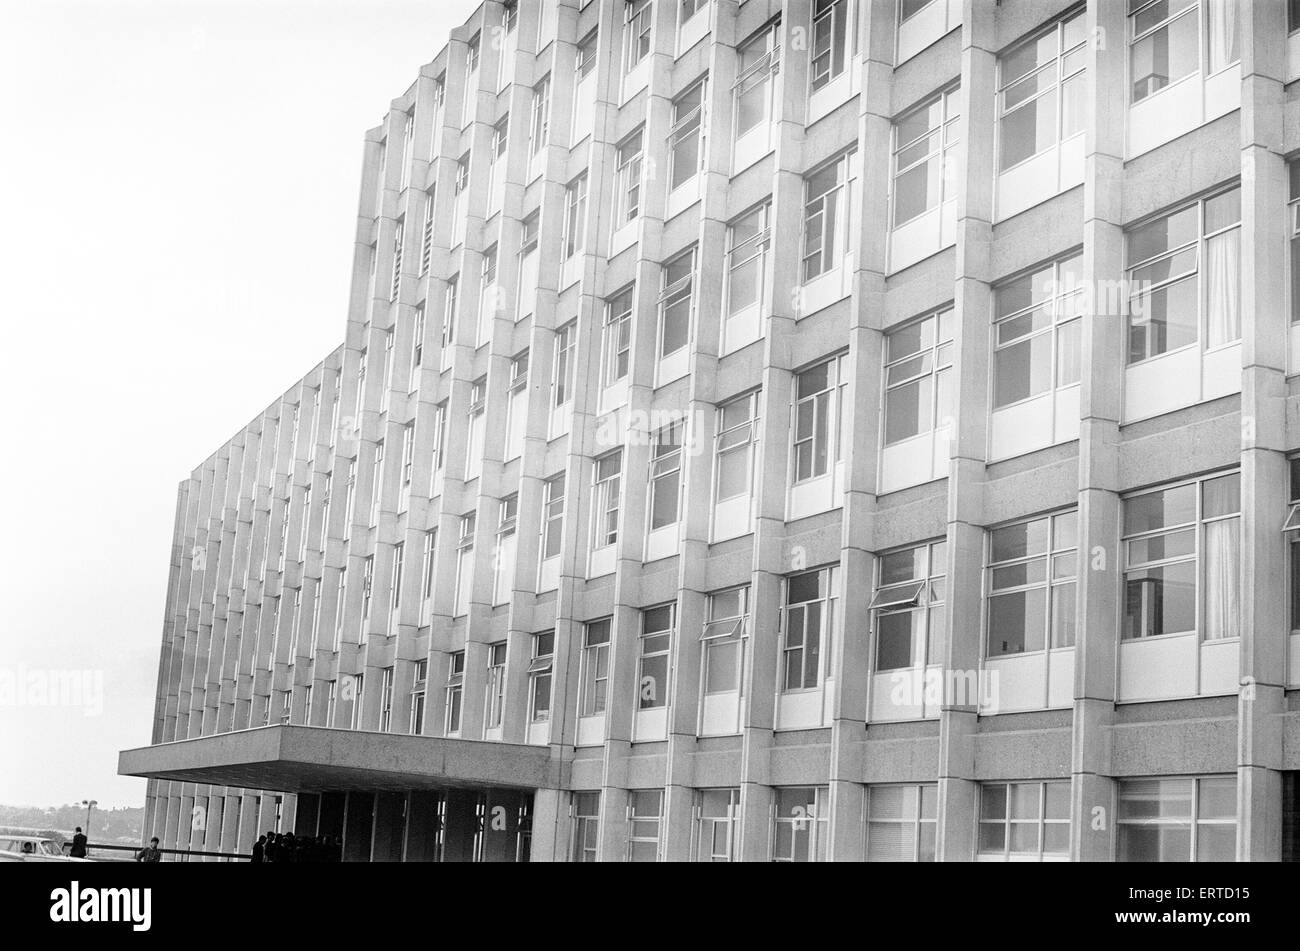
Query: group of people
x=287 y=847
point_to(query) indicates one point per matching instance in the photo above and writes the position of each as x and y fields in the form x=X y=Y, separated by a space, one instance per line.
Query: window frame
x=1052 y=558
x=931 y=356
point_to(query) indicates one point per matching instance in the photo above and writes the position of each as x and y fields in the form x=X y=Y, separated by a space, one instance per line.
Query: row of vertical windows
x=1165 y=820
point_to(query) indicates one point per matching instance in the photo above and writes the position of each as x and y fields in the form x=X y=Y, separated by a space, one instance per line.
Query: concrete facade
x=485 y=290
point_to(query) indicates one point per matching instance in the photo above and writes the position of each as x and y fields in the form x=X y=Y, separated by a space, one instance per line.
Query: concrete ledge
x=314 y=759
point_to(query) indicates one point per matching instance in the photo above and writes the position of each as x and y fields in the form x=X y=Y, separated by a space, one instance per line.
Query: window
x=566 y=339
x=1031 y=584
x=759 y=58
x=408 y=453
x=358 y=696
x=909 y=8
x=637 y=19
x=376 y=483
x=539 y=127
x=1024 y=820
x=618 y=336
x=575 y=216
x=449 y=316
x=489 y=293
x=748 y=242
x=901 y=822
x=608 y=470
x=455 y=686
x=426 y=574
x=474 y=437
x=666 y=475
x=1291 y=530
x=909 y=609
x=656 y=648
x=399 y=233
x=1177 y=540
x=924 y=146
x=426 y=236
x=1177 y=820
x=595 y=668
x=386 y=701
x=395 y=581
x=586 y=826
x=919 y=395
x=1165 y=274
x=1293 y=230
x=735 y=446
x=809 y=621
x=685 y=139
x=503 y=561
x=828 y=196
x=1041 y=96
x=675 y=304
x=717 y=828
x=802 y=831
x=367 y=586
x=586 y=56
x=349 y=498
x=418 y=691
x=724 y=641
x=540 y=670
x=1036 y=332
x=440 y=436
x=829 y=41
x=464 y=563
x=688 y=9
x=1164 y=44
x=497 y=154
x=818 y=404
x=417 y=343
x=645 y=811
x=496 y=684
x=553 y=516
x=628 y=180
x=472 y=54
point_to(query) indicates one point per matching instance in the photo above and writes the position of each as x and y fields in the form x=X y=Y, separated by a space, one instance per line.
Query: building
x=891 y=453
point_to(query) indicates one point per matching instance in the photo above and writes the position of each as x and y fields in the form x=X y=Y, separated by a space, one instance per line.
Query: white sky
x=178 y=187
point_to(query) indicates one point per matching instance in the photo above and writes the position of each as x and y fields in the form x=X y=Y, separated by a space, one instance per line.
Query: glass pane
x=1218 y=798
x=1064 y=623
x=907 y=410
x=1168 y=843
x=1024 y=800
x=1165 y=56
x=1016 y=622
x=1028 y=130
x=1160 y=601
x=993 y=801
x=1164 y=234
x=1216 y=843
x=1018 y=541
x=894 y=639
x=1145 y=513
x=1155 y=798
x=900 y=566
x=1221 y=496
x=1022 y=370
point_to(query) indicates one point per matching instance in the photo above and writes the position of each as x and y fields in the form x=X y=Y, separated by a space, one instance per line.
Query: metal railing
x=185 y=854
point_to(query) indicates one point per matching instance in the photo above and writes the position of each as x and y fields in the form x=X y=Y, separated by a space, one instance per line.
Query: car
x=31 y=848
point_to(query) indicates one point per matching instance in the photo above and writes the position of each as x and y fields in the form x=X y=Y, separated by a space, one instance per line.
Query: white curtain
x=1223 y=272
x=1223 y=33
x=1222 y=585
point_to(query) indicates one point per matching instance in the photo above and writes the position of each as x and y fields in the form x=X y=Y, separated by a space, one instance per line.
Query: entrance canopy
x=314 y=759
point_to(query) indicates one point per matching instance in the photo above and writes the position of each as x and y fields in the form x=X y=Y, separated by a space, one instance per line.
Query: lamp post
x=89 y=804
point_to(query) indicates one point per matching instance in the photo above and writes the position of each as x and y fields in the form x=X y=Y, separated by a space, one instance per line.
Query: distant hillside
x=106 y=825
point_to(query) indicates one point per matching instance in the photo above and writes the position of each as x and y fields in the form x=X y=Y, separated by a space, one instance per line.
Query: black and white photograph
x=651 y=431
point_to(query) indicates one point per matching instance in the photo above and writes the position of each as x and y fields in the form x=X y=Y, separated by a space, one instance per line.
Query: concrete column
x=1265 y=625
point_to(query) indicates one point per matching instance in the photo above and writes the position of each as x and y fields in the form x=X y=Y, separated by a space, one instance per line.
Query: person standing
x=150 y=852
x=259 y=849
x=78 y=845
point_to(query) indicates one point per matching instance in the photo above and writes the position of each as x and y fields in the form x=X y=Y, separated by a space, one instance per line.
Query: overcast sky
x=178 y=188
